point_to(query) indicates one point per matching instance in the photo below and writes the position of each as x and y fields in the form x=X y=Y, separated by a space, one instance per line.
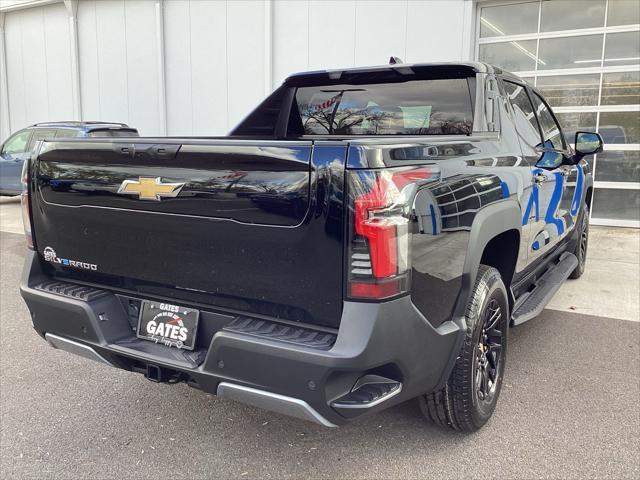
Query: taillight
x=24 y=201
x=379 y=230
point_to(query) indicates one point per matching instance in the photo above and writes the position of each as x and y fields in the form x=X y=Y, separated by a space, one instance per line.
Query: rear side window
x=113 y=133
x=41 y=134
x=551 y=132
x=17 y=143
x=525 y=118
x=67 y=133
x=417 y=107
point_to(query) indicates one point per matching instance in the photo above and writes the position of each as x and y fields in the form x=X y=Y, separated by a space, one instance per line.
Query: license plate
x=171 y=325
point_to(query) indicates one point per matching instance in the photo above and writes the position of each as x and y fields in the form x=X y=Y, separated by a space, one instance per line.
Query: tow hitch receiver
x=156 y=374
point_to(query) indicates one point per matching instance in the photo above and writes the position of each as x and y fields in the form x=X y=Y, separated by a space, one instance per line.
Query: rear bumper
x=391 y=340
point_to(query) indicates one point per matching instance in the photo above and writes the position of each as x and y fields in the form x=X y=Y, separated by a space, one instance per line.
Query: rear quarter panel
x=476 y=174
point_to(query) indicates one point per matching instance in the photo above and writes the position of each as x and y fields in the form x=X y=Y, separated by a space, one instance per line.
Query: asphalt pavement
x=569 y=408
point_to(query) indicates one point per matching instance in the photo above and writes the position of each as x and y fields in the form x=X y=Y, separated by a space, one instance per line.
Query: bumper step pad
x=304 y=337
x=71 y=290
x=546 y=286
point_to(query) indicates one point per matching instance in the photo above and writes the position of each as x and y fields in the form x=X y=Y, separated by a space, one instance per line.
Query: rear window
x=418 y=107
x=113 y=133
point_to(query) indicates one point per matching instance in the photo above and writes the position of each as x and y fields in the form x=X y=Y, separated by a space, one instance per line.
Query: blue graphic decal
x=536 y=245
x=434 y=226
x=550 y=216
x=505 y=190
x=534 y=200
x=577 y=196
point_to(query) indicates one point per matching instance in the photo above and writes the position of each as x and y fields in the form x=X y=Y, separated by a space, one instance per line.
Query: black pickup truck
x=364 y=237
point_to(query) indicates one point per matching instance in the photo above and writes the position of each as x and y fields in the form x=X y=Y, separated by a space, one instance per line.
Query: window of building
x=584 y=57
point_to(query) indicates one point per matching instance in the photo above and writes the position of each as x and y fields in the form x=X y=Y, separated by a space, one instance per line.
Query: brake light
x=24 y=202
x=379 y=219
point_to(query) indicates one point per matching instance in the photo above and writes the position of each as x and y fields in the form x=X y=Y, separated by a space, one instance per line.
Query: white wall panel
x=196 y=67
x=58 y=63
x=290 y=39
x=331 y=34
x=89 y=61
x=5 y=123
x=118 y=62
x=245 y=57
x=38 y=65
x=177 y=41
x=435 y=31
x=208 y=67
x=380 y=31
x=321 y=34
x=15 y=73
x=216 y=54
x=142 y=66
x=214 y=64
x=102 y=50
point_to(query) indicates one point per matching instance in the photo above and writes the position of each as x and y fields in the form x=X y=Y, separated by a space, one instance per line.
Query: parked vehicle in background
x=18 y=146
x=364 y=237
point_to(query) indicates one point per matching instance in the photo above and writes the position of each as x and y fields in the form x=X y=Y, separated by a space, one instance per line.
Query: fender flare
x=489 y=222
x=588 y=185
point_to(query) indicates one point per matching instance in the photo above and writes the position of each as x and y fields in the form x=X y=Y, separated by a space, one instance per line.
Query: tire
x=469 y=397
x=583 y=242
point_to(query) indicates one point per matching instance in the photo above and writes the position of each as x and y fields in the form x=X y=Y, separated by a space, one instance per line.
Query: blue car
x=18 y=147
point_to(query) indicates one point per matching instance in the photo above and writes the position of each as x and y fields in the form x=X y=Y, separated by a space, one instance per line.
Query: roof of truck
x=477 y=67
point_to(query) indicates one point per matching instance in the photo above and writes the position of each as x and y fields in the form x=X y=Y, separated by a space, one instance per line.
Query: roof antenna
x=394 y=60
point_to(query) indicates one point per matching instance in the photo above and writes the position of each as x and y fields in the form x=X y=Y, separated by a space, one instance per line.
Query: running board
x=546 y=286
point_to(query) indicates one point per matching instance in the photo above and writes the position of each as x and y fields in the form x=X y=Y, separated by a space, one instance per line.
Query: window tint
x=551 y=132
x=113 y=133
x=41 y=134
x=525 y=119
x=66 y=133
x=417 y=107
x=17 y=143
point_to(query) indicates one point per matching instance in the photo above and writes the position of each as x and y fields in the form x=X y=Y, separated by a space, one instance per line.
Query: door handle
x=539 y=178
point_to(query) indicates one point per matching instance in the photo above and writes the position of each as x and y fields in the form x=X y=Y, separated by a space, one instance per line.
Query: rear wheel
x=583 y=242
x=469 y=397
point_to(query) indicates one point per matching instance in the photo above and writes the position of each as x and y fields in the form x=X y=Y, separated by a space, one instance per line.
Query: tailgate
x=229 y=223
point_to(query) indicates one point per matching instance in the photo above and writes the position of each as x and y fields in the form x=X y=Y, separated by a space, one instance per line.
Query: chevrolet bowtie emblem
x=150 y=188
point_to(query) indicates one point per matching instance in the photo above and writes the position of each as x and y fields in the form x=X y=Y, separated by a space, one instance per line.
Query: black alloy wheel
x=468 y=399
x=488 y=355
x=582 y=244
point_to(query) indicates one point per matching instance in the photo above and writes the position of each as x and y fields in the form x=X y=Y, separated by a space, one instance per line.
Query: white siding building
x=197 y=67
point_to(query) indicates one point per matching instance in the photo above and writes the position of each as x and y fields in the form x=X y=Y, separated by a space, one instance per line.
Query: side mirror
x=587 y=143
